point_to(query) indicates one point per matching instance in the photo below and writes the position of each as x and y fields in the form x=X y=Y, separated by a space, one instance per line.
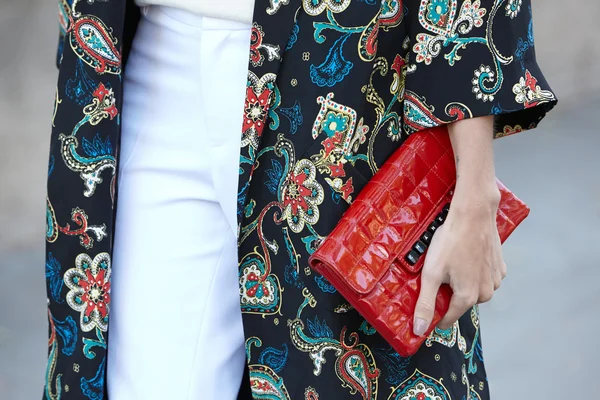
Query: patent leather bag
x=375 y=254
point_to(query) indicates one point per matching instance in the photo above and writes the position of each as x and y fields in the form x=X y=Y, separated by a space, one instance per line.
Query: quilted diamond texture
x=364 y=256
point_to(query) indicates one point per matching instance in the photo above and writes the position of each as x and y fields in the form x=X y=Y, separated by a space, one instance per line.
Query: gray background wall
x=540 y=331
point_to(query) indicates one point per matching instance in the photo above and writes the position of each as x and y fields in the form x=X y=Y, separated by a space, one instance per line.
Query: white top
x=236 y=10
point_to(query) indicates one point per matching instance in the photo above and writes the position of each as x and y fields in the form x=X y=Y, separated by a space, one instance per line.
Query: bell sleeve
x=472 y=58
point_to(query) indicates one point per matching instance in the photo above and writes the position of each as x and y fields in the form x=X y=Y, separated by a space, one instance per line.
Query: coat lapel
x=274 y=25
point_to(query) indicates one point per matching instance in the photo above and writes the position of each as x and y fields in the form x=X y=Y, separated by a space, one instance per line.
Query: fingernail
x=420 y=326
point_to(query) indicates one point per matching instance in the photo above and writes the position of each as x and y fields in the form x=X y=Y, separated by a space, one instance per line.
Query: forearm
x=474 y=156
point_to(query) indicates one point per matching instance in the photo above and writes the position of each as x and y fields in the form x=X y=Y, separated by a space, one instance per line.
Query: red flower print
x=347 y=189
x=112 y=111
x=530 y=81
x=96 y=295
x=255 y=287
x=329 y=145
x=89 y=284
x=529 y=93
x=300 y=196
x=105 y=103
x=255 y=109
x=295 y=193
x=398 y=64
x=256 y=39
x=337 y=170
x=100 y=92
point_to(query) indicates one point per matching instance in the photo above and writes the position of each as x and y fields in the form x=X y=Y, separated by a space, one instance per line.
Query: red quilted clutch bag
x=374 y=255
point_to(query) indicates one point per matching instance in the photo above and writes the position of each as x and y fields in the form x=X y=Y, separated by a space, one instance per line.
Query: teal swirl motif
x=274 y=358
x=335 y=67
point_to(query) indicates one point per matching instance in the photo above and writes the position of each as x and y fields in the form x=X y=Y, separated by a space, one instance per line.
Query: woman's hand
x=465 y=252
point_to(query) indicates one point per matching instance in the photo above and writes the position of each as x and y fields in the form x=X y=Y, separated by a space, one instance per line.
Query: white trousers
x=175 y=327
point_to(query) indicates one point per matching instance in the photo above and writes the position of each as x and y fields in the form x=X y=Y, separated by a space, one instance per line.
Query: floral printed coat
x=334 y=87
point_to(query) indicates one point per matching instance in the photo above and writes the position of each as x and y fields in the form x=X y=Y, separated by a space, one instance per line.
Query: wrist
x=476 y=198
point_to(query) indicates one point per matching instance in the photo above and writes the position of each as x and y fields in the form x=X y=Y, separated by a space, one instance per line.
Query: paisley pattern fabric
x=334 y=87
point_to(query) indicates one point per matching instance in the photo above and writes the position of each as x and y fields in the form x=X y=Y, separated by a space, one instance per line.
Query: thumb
x=425 y=308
